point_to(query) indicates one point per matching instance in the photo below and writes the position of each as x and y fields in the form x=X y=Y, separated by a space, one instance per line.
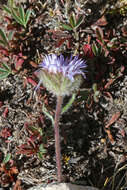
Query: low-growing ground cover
x=94 y=129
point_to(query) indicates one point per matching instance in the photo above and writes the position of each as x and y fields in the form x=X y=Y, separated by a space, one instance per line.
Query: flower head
x=61 y=76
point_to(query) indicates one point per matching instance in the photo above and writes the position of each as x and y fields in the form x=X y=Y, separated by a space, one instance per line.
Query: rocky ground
x=94 y=130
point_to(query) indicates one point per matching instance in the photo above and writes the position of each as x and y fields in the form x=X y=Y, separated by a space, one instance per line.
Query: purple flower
x=68 y=67
x=60 y=75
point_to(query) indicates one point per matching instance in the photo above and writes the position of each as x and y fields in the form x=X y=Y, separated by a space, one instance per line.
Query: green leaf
x=4 y=37
x=72 y=20
x=6 y=8
x=48 y=114
x=6 y=67
x=21 y=13
x=42 y=151
x=112 y=42
x=10 y=35
x=4 y=75
x=2 y=42
x=66 y=26
x=79 y=21
x=28 y=13
x=100 y=49
x=11 y=3
x=17 y=18
x=32 y=13
x=68 y=105
x=7 y=158
x=95 y=49
x=83 y=95
x=3 y=70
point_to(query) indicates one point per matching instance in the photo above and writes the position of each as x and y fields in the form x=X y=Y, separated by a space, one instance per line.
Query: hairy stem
x=57 y=138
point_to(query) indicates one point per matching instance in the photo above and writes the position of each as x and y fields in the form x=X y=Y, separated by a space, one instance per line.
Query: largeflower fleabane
x=61 y=76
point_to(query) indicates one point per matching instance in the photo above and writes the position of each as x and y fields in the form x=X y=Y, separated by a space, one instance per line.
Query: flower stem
x=57 y=138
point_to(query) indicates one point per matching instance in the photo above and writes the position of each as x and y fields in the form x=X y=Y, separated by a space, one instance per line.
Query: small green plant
x=96 y=49
x=18 y=13
x=119 y=8
x=5 y=38
x=73 y=24
x=7 y=158
x=35 y=143
x=8 y=169
x=5 y=71
x=42 y=151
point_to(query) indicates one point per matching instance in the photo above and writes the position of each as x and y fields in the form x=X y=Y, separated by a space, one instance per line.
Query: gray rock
x=62 y=186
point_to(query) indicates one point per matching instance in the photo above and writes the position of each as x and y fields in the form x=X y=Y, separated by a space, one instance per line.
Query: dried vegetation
x=94 y=131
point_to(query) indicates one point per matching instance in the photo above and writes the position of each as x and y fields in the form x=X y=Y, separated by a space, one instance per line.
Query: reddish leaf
x=5 y=112
x=88 y=39
x=60 y=37
x=33 y=64
x=24 y=82
x=113 y=119
x=102 y=21
x=108 y=94
x=9 y=172
x=88 y=51
x=22 y=56
x=4 y=51
x=122 y=69
x=41 y=120
x=8 y=19
x=18 y=64
x=60 y=42
x=5 y=133
x=99 y=33
x=69 y=43
x=122 y=132
x=104 y=46
x=124 y=31
x=17 y=185
x=27 y=150
x=13 y=170
x=31 y=81
x=10 y=26
x=110 y=136
x=109 y=83
x=56 y=34
x=1 y=103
